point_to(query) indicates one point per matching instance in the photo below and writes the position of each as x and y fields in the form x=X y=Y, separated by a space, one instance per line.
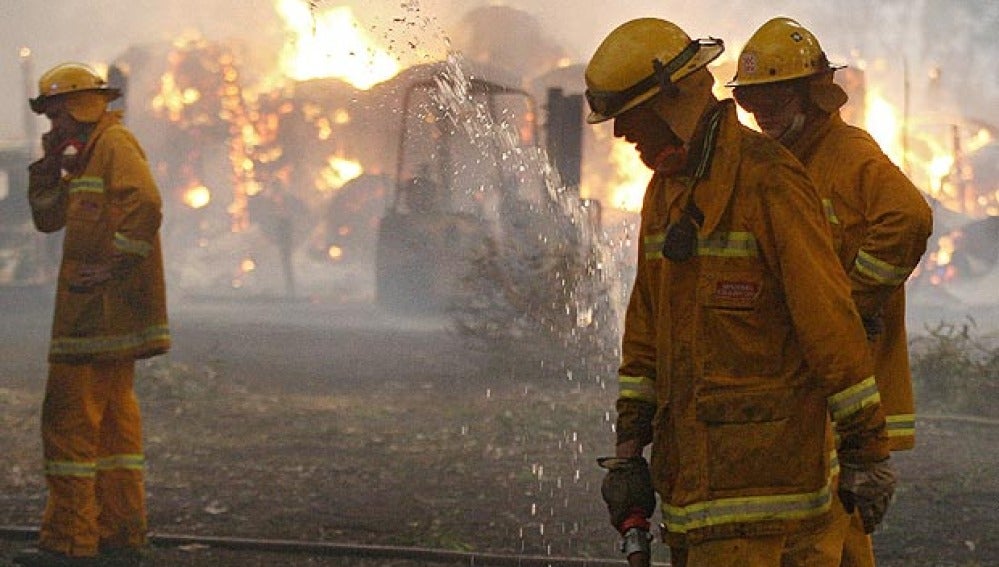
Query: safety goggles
x=697 y=54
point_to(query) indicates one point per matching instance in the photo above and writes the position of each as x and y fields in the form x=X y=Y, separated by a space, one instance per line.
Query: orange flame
x=632 y=176
x=935 y=159
x=337 y=173
x=331 y=43
x=935 y=168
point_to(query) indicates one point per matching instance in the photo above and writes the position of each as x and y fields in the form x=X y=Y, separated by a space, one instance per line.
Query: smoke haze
x=894 y=40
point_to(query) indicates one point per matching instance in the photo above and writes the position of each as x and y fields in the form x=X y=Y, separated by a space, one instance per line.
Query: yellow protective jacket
x=110 y=209
x=880 y=225
x=733 y=361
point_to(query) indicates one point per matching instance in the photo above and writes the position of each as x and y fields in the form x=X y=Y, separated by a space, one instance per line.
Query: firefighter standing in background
x=94 y=182
x=741 y=339
x=880 y=221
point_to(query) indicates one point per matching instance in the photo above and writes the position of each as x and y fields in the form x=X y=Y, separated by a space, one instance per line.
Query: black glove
x=47 y=169
x=627 y=487
x=45 y=193
x=868 y=487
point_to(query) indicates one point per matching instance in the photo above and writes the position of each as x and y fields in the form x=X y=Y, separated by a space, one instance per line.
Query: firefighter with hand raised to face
x=741 y=339
x=880 y=221
x=94 y=183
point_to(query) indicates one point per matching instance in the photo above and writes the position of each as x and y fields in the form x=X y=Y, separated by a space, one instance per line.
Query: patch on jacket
x=741 y=291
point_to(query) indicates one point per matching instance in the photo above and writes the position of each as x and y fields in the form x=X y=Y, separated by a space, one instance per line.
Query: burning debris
x=275 y=181
x=243 y=142
x=245 y=173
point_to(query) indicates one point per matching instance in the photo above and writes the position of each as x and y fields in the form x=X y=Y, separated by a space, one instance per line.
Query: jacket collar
x=699 y=151
x=816 y=128
x=713 y=191
x=108 y=119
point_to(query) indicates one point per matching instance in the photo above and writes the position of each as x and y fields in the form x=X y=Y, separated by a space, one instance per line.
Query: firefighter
x=741 y=339
x=94 y=183
x=880 y=221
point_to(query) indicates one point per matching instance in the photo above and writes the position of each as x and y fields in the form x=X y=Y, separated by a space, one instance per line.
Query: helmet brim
x=596 y=117
x=737 y=82
x=707 y=52
x=41 y=102
x=37 y=104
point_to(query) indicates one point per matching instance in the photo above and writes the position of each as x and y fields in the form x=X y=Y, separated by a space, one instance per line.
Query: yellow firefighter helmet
x=781 y=50
x=69 y=78
x=640 y=59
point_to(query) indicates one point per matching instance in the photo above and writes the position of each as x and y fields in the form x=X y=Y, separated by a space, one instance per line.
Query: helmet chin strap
x=791 y=133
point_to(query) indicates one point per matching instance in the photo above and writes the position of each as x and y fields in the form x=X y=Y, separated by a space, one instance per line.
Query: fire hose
x=331 y=549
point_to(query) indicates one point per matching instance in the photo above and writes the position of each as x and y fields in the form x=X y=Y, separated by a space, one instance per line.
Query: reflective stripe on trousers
x=815 y=545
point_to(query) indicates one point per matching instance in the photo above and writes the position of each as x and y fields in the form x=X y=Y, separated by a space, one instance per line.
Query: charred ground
x=338 y=423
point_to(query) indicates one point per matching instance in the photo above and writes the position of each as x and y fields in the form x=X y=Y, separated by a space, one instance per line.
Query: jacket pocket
x=79 y=313
x=88 y=235
x=753 y=441
x=743 y=335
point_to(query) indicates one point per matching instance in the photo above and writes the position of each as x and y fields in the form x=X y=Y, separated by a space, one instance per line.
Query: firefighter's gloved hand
x=91 y=276
x=45 y=171
x=868 y=488
x=61 y=149
x=52 y=143
x=45 y=192
x=627 y=489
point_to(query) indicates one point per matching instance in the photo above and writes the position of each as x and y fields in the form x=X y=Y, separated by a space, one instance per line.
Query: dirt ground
x=336 y=423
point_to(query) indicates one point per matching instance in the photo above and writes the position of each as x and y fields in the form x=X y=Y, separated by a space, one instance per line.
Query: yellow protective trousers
x=858 y=550
x=763 y=551
x=92 y=440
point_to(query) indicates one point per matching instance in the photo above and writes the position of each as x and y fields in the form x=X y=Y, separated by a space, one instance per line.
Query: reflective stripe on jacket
x=112 y=208
x=880 y=225
x=745 y=349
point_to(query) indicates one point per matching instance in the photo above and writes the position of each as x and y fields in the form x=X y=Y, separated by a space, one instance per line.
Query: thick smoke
x=942 y=45
x=934 y=58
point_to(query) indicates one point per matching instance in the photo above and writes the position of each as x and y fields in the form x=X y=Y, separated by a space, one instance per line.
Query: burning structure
x=247 y=167
x=267 y=176
x=285 y=181
x=276 y=168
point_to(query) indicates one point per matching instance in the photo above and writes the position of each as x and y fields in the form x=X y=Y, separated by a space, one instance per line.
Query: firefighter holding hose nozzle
x=742 y=346
x=631 y=500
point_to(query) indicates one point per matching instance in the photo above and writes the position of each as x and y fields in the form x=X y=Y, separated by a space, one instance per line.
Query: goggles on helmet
x=610 y=103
